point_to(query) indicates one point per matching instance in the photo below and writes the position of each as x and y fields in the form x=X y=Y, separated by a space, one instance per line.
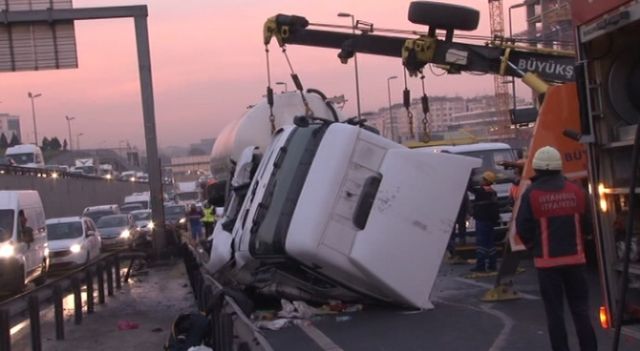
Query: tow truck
x=608 y=77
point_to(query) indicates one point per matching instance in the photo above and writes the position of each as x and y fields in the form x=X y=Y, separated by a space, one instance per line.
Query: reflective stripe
x=560 y=261
x=544 y=228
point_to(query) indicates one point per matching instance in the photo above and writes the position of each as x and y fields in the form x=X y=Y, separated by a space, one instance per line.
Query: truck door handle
x=365 y=202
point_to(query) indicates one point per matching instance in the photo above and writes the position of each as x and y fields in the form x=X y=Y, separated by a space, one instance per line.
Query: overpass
x=65 y=194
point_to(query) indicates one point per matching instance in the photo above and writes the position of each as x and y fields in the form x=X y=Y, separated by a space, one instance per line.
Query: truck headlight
x=150 y=225
x=182 y=220
x=75 y=248
x=125 y=234
x=7 y=250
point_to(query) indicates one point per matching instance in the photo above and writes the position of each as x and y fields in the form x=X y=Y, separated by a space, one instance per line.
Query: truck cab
x=327 y=201
x=23 y=240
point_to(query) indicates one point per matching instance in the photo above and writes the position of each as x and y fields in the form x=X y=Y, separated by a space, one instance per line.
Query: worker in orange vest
x=551 y=221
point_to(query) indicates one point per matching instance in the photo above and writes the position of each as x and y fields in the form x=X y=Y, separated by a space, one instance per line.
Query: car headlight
x=150 y=225
x=75 y=248
x=125 y=234
x=7 y=250
x=46 y=251
x=182 y=220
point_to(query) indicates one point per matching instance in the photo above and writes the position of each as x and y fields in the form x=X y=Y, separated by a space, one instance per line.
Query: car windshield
x=290 y=168
x=96 y=215
x=143 y=204
x=6 y=224
x=490 y=160
x=112 y=221
x=23 y=159
x=141 y=216
x=130 y=207
x=64 y=230
x=172 y=211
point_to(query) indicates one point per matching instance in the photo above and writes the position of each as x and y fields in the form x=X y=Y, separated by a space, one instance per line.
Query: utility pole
x=69 y=119
x=33 y=112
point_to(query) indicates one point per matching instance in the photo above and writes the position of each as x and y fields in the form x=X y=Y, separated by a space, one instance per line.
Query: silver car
x=117 y=231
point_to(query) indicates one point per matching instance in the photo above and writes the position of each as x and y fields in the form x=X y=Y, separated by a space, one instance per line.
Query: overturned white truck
x=330 y=210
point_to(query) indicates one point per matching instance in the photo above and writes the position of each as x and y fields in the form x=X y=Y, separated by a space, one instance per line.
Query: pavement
x=151 y=301
x=459 y=321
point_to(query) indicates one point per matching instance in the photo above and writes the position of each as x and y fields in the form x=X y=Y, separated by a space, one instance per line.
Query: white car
x=73 y=241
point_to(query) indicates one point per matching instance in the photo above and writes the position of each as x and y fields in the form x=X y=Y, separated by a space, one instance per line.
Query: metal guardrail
x=231 y=328
x=52 y=173
x=53 y=292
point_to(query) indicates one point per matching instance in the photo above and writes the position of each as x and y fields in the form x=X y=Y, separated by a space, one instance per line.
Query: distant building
x=10 y=125
x=475 y=116
x=205 y=145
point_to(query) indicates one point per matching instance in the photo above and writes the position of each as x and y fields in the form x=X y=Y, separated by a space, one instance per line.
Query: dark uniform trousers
x=555 y=284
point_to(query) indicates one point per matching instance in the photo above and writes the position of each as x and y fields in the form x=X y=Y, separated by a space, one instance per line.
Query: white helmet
x=547 y=159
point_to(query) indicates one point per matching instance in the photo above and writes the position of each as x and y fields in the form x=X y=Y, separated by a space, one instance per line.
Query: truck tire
x=443 y=16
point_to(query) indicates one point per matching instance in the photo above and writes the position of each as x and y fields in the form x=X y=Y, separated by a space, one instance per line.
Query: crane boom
x=418 y=51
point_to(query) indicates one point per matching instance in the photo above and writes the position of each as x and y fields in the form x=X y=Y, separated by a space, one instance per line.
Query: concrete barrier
x=69 y=196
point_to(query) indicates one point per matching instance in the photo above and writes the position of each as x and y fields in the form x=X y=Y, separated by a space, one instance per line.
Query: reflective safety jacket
x=208 y=214
x=551 y=221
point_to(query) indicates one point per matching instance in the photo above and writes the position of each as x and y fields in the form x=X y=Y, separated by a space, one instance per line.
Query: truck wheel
x=443 y=16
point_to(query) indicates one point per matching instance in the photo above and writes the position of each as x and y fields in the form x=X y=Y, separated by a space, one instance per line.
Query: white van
x=26 y=155
x=23 y=240
x=143 y=198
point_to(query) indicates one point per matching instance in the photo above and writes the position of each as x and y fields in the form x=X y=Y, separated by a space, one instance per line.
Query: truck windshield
x=23 y=159
x=144 y=204
x=6 y=224
x=290 y=168
x=112 y=221
x=66 y=230
x=490 y=158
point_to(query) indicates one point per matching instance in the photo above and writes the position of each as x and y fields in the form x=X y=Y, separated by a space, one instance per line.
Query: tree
x=54 y=144
x=64 y=145
x=4 y=143
x=45 y=144
x=14 y=140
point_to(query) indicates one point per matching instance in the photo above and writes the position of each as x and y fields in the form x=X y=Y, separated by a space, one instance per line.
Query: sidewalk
x=152 y=301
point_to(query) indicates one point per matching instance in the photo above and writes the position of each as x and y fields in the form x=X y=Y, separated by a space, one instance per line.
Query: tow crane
x=548 y=72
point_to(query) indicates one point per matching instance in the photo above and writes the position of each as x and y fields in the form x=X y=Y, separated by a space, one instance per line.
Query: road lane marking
x=319 y=337
x=491 y=286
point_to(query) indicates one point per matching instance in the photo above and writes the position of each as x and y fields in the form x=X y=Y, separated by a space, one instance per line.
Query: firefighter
x=486 y=213
x=208 y=219
x=551 y=222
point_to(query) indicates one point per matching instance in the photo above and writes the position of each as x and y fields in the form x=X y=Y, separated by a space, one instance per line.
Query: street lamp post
x=69 y=119
x=78 y=140
x=355 y=60
x=392 y=121
x=285 y=85
x=33 y=112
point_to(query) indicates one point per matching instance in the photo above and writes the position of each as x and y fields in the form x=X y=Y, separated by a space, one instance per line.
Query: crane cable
x=426 y=127
x=296 y=81
x=272 y=118
x=406 y=99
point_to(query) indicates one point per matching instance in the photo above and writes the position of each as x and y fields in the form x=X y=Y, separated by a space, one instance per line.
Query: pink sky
x=208 y=64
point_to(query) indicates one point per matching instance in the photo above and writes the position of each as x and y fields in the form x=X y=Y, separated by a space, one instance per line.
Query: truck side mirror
x=27 y=235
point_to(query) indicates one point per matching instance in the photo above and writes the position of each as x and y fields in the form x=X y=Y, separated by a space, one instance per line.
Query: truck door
x=410 y=221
